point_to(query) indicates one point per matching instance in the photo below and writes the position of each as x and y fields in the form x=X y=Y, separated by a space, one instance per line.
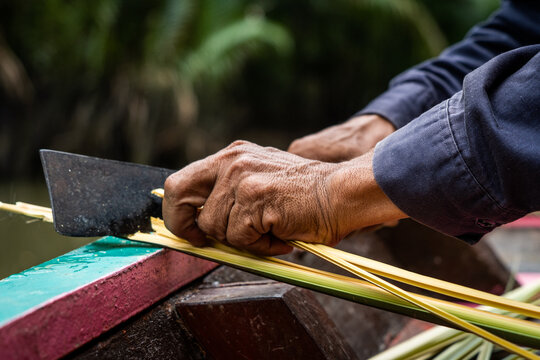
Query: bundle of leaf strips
x=381 y=294
x=442 y=343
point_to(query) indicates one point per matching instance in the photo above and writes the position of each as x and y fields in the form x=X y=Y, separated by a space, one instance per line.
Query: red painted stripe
x=525 y=222
x=527 y=278
x=63 y=324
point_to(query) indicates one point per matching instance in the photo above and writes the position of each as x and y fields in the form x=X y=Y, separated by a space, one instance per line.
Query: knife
x=96 y=197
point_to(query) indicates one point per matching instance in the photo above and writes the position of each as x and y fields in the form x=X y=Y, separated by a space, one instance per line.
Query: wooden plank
x=51 y=309
x=155 y=333
x=261 y=320
x=366 y=329
x=163 y=332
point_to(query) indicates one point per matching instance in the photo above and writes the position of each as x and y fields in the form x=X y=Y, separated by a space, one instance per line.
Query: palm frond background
x=166 y=82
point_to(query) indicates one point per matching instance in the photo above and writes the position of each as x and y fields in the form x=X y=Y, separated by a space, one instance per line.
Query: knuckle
x=270 y=220
x=247 y=223
x=210 y=227
x=176 y=188
x=240 y=149
x=240 y=230
x=171 y=186
x=252 y=188
x=239 y=143
x=242 y=162
x=204 y=223
x=232 y=151
x=237 y=146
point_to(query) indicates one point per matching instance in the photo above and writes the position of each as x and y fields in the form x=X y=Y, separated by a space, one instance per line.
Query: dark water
x=25 y=242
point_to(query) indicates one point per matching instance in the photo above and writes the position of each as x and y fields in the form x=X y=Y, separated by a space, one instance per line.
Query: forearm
x=355 y=197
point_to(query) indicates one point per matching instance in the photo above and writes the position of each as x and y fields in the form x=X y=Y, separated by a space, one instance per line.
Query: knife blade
x=96 y=197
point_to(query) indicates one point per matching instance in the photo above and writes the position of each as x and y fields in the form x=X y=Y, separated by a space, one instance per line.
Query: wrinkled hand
x=255 y=198
x=343 y=142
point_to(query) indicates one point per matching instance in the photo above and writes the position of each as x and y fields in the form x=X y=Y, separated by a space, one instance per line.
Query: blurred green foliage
x=169 y=81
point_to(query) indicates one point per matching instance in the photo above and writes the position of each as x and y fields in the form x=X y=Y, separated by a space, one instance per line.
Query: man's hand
x=343 y=142
x=257 y=198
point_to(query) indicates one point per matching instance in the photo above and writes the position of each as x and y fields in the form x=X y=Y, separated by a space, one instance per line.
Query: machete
x=96 y=197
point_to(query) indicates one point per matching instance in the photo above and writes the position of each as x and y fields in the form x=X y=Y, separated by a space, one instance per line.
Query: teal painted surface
x=23 y=291
x=26 y=243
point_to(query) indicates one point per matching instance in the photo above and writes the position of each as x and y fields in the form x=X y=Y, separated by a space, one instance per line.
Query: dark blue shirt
x=466 y=155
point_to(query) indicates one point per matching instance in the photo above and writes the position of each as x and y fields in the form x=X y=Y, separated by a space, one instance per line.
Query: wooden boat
x=114 y=298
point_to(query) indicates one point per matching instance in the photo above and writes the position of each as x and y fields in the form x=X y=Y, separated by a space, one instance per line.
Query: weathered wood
x=156 y=333
x=51 y=309
x=366 y=329
x=233 y=321
x=261 y=320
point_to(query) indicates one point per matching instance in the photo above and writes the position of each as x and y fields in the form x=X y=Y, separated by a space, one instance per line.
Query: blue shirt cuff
x=421 y=169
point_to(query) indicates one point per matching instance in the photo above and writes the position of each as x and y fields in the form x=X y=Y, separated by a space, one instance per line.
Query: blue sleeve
x=472 y=162
x=415 y=91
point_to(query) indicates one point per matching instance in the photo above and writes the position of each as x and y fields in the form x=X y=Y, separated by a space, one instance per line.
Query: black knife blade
x=95 y=197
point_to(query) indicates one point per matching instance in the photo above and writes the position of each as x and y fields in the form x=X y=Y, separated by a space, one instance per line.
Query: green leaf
x=221 y=53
